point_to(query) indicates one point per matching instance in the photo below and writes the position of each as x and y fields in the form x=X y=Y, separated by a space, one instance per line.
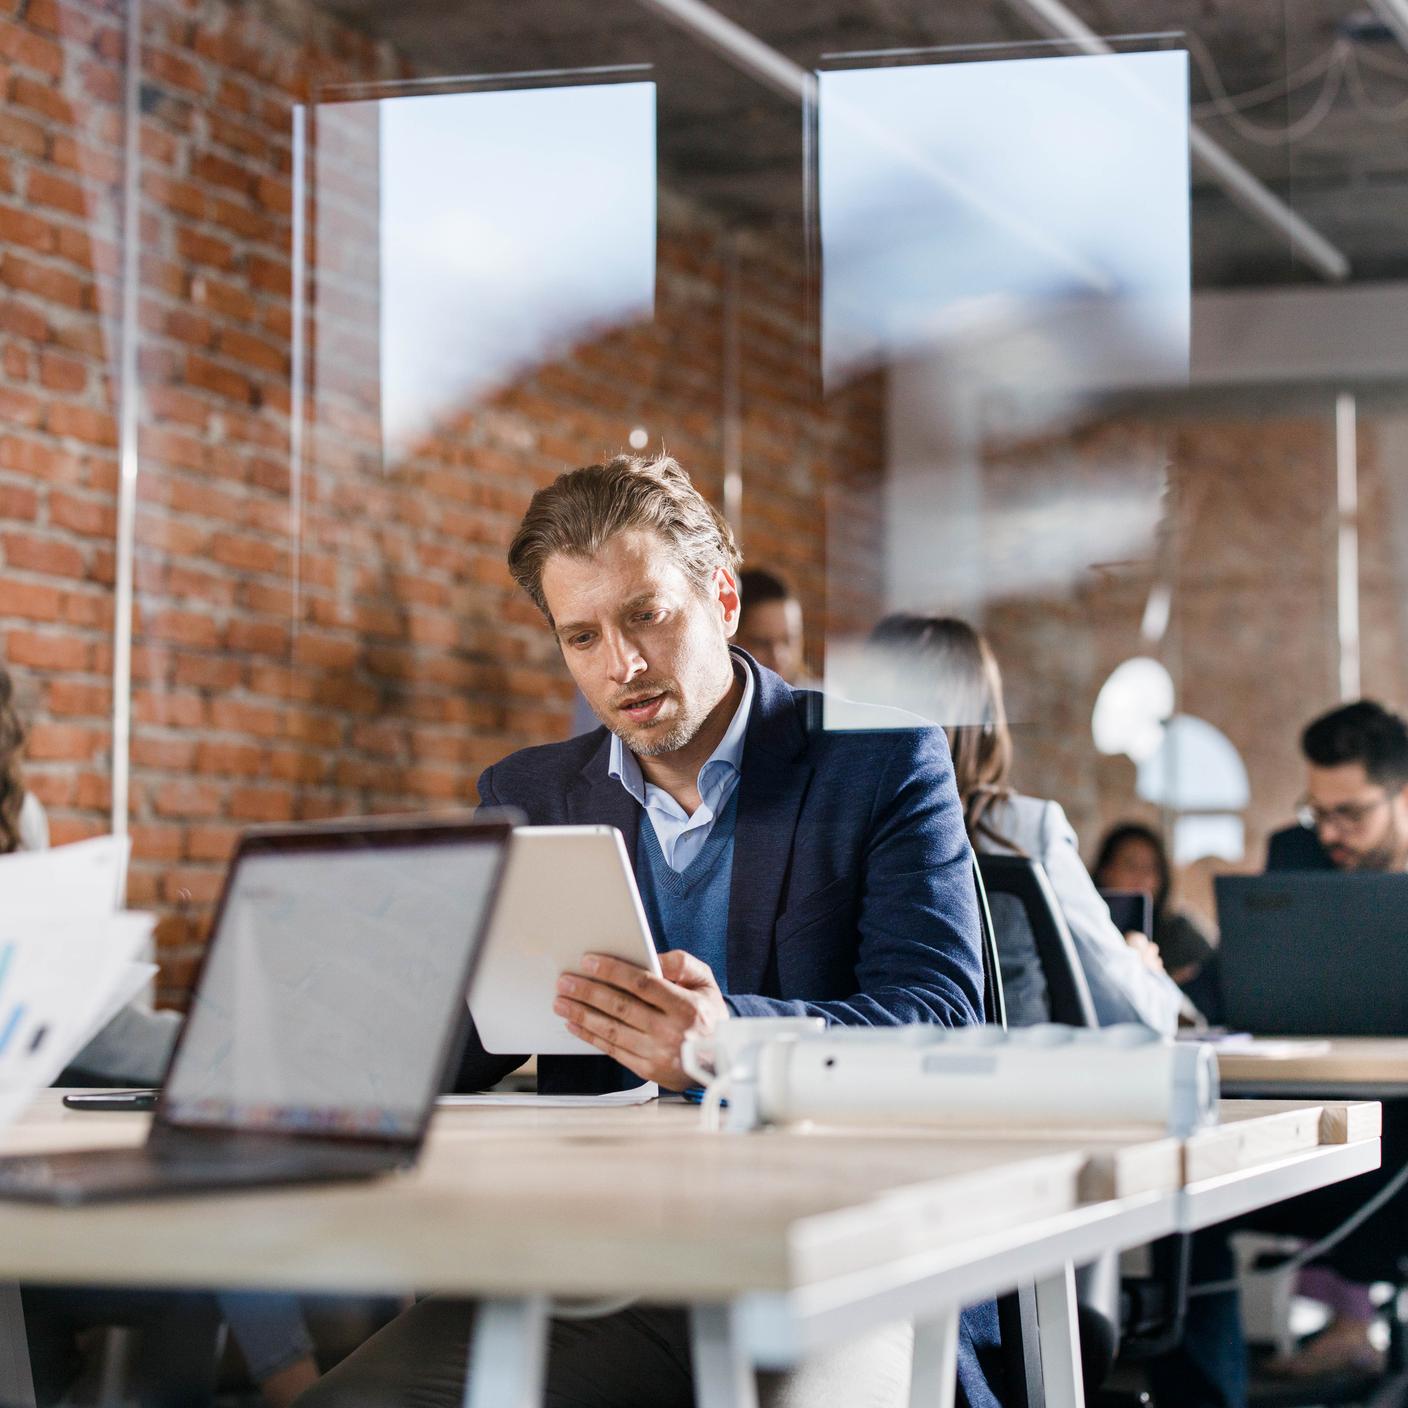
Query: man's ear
x=727 y=595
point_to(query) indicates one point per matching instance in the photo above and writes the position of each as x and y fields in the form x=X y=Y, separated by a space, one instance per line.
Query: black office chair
x=1029 y=924
x=1140 y=1316
x=1016 y=1311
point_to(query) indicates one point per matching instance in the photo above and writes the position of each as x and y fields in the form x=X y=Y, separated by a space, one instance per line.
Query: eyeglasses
x=1347 y=817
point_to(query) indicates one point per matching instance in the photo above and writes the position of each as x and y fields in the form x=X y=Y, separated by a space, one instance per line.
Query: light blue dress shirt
x=681 y=836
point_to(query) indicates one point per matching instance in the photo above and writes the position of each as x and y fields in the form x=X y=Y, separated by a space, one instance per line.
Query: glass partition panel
x=62 y=184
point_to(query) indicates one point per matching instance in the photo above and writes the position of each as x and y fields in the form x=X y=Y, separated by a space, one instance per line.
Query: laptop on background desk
x=329 y=1004
x=1314 y=953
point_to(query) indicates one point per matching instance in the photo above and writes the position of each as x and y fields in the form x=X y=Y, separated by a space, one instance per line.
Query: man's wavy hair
x=579 y=512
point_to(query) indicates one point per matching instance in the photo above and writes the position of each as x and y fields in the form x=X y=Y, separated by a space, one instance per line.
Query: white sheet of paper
x=84 y=878
x=636 y=1095
x=58 y=978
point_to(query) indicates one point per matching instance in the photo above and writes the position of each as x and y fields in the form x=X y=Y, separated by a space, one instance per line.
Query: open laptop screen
x=330 y=988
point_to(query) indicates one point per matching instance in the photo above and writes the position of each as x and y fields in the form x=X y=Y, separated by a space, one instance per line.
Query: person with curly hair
x=23 y=825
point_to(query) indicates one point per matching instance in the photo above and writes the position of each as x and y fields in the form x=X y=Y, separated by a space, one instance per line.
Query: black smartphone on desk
x=113 y=1100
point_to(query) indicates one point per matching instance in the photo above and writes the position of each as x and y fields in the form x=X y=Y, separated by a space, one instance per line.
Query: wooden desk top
x=626 y=1201
x=1351 y=1063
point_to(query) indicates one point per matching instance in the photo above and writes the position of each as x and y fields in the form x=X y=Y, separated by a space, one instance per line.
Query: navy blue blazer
x=852 y=895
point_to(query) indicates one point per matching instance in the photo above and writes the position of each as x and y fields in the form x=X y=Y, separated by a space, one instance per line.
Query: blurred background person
x=943 y=670
x=23 y=825
x=1132 y=856
x=770 y=628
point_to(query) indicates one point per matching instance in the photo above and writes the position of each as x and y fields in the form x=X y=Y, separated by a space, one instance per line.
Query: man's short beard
x=677 y=736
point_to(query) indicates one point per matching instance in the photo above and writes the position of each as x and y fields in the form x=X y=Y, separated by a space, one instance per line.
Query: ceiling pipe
x=746 y=52
x=1255 y=199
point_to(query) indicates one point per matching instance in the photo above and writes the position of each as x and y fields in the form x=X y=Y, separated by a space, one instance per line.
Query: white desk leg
x=1060 y=1339
x=723 y=1373
x=16 y=1383
x=507 y=1354
x=933 y=1381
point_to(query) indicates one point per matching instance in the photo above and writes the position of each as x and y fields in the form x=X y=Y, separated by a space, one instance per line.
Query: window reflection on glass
x=1029 y=216
x=513 y=224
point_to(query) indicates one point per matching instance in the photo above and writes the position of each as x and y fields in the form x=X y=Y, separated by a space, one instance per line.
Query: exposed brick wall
x=349 y=643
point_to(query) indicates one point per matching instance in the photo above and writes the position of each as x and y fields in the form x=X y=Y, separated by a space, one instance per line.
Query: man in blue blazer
x=786 y=870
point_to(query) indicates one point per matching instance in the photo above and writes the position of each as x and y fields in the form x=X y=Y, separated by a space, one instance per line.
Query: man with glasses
x=1353 y=817
x=1355 y=812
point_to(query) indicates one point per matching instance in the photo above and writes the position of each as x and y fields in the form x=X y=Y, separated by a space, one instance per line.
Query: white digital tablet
x=566 y=891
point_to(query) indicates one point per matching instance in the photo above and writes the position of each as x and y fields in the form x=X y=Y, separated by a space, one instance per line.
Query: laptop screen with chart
x=330 y=985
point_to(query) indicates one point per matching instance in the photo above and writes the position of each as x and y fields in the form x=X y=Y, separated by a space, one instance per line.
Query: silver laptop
x=328 y=1009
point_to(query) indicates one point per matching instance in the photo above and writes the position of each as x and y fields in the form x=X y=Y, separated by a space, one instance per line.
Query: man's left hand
x=638 y=1019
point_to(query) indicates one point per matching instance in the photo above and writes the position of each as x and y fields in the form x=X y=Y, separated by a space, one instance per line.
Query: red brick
x=38 y=651
x=29 y=50
x=62 y=742
x=35 y=601
x=88 y=517
x=17 y=503
x=23 y=228
x=236 y=716
x=252 y=351
x=163 y=843
x=20 y=408
x=173 y=70
x=57 y=193
x=211 y=376
x=41 y=98
x=76 y=698
x=161 y=754
x=211 y=842
x=222 y=297
x=230 y=759
x=261 y=804
x=28 y=553
x=163 y=709
x=198 y=248
x=191 y=628
x=248 y=554
x=186 y=798
x=62 y=373
x=22 y=135
x=82 y=423
x=218 y=171
x=212 y=672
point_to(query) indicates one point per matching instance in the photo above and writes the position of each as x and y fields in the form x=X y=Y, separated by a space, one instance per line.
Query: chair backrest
x=1068 y=993
x=994 y=997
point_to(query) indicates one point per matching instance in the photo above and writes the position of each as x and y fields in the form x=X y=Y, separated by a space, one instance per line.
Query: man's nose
x=624 y=660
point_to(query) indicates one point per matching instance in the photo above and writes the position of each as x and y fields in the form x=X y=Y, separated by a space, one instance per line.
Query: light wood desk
x=779 y=1242
x=1354 y=1067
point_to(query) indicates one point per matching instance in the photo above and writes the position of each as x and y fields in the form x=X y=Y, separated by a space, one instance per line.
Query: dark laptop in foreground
x=1314 y=953
x=329 y=1006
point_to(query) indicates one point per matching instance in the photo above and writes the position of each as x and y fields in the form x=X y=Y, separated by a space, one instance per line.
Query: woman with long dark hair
x=941 y=669
x=1133 y=857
